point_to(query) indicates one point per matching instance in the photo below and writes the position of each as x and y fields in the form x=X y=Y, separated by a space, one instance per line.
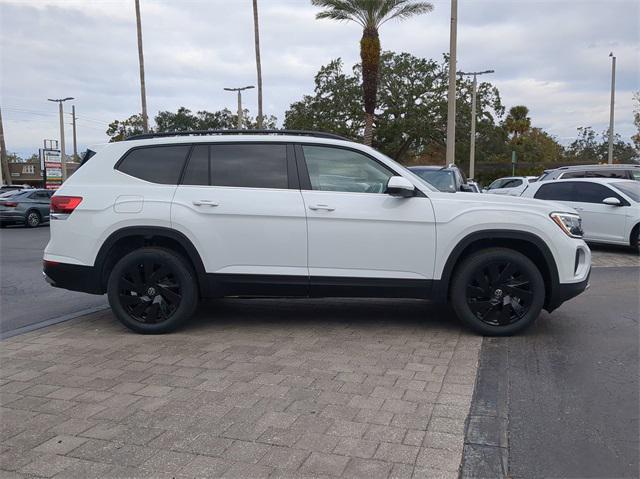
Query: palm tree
x=258 y=65
x=370 y=14
x=518 y=122
x=143 y=89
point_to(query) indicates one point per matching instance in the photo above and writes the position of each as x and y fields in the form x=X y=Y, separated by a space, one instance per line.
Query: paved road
x=25 y=298
x=571 y=388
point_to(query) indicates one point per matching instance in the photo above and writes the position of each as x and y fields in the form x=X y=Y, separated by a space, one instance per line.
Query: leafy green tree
x=370 y=15
x=119 y=130
x=636 y=120
x=184 y=120
x=589 y=148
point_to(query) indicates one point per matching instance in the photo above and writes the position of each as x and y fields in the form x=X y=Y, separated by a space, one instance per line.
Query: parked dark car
x=446 y=178
x=28 y=207
x=623 y=172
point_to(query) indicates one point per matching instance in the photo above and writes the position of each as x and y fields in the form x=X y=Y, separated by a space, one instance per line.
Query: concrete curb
x=50 y=322
x=486 y=444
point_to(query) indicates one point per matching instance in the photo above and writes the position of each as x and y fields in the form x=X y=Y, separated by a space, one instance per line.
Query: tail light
x=62 y=206
x=10 y=204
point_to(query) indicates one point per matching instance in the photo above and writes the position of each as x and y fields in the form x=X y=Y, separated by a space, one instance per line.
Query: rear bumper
x=73 y=277
x=567 y=291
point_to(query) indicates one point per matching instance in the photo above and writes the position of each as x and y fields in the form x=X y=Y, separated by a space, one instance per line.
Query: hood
x=502 y=201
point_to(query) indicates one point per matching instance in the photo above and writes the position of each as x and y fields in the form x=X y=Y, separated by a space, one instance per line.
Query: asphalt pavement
x=562 y=399
x=26 y=299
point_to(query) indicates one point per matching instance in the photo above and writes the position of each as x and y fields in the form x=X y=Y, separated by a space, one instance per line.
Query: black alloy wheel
x=152 y=290
x=497 y=291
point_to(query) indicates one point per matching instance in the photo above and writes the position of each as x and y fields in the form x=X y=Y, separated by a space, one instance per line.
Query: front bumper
x=566 y=291
x=73 y=277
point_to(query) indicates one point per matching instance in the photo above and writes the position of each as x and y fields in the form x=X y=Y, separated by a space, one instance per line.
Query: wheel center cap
x=151 y=291
x=498 y=293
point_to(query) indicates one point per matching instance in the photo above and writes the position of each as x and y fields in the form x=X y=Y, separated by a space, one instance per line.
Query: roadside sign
x=52 y=168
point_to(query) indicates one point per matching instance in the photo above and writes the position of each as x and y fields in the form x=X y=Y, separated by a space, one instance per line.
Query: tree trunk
x=258 y=65
x=143 y=89
x=370 y=57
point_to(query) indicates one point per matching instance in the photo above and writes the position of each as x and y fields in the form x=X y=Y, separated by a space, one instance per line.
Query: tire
x=32 y=219
x=497 y=292
x=152 y=290
x=635 y=239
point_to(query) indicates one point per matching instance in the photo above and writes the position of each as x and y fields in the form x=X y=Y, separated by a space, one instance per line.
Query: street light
x=239 y=90
x=472 y=145
x=451 y=96
x=62 y=157
x=613 y=100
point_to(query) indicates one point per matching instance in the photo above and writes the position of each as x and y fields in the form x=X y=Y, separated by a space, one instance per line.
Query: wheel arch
x=524 y=242
x=634 y=235
x=130 y=238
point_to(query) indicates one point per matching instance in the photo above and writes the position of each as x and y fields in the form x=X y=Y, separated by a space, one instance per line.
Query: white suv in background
x=511 y=185
x=610 y=208
x=159 y=221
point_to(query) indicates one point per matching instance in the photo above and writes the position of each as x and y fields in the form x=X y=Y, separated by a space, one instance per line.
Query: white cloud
x=548 y=54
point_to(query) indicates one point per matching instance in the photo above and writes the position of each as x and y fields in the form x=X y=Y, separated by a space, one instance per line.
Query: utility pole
x=63 y=158
x=5 y=174
x=472 y=141
x=256 y=31
x=613 y=101
x=239 y=90
x=75 y=140
x=451 y=101
x=143 y=89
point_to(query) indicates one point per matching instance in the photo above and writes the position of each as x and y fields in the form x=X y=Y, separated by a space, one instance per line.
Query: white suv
x=159 y=221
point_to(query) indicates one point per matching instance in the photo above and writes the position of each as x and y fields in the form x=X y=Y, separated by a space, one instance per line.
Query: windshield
x=443 y=180
x=629 y=188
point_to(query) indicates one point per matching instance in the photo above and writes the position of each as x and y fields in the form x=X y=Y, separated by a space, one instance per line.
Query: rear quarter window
x=156 y=164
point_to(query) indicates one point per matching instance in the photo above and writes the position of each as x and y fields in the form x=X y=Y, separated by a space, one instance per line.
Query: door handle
x=204 y=203
x=321 y=207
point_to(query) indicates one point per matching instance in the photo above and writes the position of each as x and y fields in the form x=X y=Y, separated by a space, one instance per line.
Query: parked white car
x=511 y=185
x=610 y=208
x=160 y=221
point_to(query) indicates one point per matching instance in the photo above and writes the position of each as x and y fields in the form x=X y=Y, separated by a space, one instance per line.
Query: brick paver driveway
x=251 y=388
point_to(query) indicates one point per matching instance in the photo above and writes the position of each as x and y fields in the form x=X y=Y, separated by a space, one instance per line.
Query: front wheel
x=152 y=290
x=497 y=292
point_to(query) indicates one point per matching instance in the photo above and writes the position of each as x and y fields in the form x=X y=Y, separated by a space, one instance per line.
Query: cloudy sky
x=551 y=55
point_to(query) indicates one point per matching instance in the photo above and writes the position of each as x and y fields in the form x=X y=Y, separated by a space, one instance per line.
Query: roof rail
x=317 y=134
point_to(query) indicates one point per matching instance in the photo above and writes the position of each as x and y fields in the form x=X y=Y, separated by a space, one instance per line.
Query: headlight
x=569 y=222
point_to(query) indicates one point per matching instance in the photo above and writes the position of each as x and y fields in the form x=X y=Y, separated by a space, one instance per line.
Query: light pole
x=143 y=87
x=613 y=101
x=239 y=90
x=75 y=139
x=451 y=101
x=472 y=142
x=63 y=160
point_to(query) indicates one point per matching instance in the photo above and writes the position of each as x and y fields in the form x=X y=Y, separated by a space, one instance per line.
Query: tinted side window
x=573 y=174
x=555 y=191
x=249 y=165
x=607 y=174
x=157 y=164
x=197 y=171
x=592 y=193
x=512 y=184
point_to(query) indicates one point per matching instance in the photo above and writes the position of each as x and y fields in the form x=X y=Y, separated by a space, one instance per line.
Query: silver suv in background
x=622 y=172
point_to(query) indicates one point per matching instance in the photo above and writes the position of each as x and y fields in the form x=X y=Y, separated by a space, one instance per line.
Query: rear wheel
x=497 y=292
x=33 y=219
x=152 y=290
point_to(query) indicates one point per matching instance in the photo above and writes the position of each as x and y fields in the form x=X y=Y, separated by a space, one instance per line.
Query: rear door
x=42 y=199
x=363 y=241
x=240 y=205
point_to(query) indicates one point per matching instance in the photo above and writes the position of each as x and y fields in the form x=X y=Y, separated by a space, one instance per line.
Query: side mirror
x=467 y=188
x=401 y=187
x=612 y=201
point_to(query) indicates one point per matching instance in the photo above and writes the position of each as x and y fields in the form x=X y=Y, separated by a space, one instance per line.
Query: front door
x=241 y=206
x=362 y=241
